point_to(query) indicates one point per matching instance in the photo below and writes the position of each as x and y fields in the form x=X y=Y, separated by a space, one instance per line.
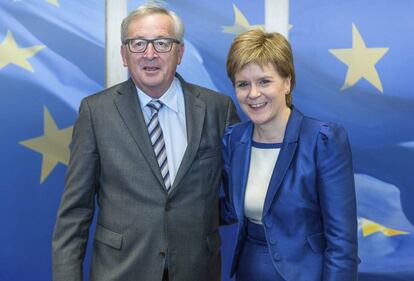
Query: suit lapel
x=285 y=157
x=195 y=110
x=128 y=107
x=241 y=166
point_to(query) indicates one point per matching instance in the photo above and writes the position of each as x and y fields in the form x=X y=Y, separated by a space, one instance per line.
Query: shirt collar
x=169 y=98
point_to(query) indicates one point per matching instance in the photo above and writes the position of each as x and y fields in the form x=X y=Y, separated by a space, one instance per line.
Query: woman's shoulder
x=325 y=129
x=330 y=137
x=236 y=131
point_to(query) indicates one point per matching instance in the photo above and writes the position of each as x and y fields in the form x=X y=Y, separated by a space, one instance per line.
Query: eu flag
x=354 y=66
x=51 y=55
x=353 y=63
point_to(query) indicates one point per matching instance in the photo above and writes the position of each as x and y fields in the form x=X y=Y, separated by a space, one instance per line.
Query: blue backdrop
x=354 y=62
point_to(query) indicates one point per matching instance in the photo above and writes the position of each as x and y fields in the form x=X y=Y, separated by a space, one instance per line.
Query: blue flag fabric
x=51 y=55
x=353 y=62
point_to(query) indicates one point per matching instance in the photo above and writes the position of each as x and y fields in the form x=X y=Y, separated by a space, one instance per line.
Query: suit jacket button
x=167 y=207
x=272 y=241
x=268 y=223
x=276 y=257
x=161 y=254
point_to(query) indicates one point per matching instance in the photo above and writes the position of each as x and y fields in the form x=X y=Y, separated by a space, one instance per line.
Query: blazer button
x=276 y=257
x=268 y=223
x=272 y=241
x=161 y=254
x=167 y=207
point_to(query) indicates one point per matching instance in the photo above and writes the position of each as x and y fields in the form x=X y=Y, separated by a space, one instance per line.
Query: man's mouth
x=151 y=68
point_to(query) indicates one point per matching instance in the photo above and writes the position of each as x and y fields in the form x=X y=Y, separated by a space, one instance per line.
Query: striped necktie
x=157 y=140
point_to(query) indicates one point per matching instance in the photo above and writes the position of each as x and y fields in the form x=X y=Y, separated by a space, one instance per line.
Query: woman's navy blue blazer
x=309 y=213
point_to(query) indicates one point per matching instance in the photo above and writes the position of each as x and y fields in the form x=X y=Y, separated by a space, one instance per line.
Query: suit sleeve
x=232 y=116
x=338 y=204
x=77 y=204
x=227 y=213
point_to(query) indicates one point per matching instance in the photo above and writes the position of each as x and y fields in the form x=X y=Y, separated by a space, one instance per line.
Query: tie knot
x=155 y=105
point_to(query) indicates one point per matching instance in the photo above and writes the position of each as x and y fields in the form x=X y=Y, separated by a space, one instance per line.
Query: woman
x=288 y=178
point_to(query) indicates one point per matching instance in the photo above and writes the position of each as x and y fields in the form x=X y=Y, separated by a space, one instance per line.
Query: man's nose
x=150 y=52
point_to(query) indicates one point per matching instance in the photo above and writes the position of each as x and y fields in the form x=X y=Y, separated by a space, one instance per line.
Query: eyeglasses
x=161 y=45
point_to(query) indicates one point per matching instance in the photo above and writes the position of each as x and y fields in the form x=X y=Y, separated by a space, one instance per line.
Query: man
x=149 y=149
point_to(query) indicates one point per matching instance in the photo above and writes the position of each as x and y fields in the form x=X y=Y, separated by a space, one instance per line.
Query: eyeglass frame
x=148 y=41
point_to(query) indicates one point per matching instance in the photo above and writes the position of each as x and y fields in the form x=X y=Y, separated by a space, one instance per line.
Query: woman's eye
x=241 y=84
x=264 y=82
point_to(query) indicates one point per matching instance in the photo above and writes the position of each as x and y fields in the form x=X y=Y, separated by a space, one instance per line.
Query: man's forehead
x=152 y=20
x=155 y=25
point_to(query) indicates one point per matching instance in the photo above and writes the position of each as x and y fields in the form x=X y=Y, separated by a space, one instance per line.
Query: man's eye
x=161 y=43
x=138 y=43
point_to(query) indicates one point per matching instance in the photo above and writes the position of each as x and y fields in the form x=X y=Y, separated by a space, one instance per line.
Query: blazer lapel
x=195 y=110
x=285 y=157
x=240 y=169
x=129 y=108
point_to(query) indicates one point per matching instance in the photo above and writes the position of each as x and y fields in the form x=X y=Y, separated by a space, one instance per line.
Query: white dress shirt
x=172 y=121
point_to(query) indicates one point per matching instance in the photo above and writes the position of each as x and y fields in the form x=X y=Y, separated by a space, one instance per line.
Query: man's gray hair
x=151 y=9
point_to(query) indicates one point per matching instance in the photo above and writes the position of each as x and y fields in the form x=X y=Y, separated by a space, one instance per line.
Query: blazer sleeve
x=227 y=213
x=338 y=203
x=77 y=204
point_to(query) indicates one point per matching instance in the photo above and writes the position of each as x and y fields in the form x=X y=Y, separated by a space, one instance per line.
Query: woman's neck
x=272 y=132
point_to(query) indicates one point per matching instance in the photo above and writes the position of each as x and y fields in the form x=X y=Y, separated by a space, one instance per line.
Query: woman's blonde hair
x=262 y=48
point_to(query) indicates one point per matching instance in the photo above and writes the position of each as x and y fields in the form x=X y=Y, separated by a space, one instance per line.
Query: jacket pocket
x=108 y=237
x=214 y=241
x=317 y=242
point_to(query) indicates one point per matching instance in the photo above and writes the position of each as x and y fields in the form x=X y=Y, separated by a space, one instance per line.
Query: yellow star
x=53 y=2
x=369 y=227
x=240 y=23
x=53 y=145
x=11 y=53
x=361 y=61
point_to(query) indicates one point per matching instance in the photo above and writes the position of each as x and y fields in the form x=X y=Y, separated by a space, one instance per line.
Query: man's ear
x=180 y=52
x=124 y=55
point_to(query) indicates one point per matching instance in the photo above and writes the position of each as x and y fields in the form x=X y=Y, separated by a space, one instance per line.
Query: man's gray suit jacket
x=139 y=223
